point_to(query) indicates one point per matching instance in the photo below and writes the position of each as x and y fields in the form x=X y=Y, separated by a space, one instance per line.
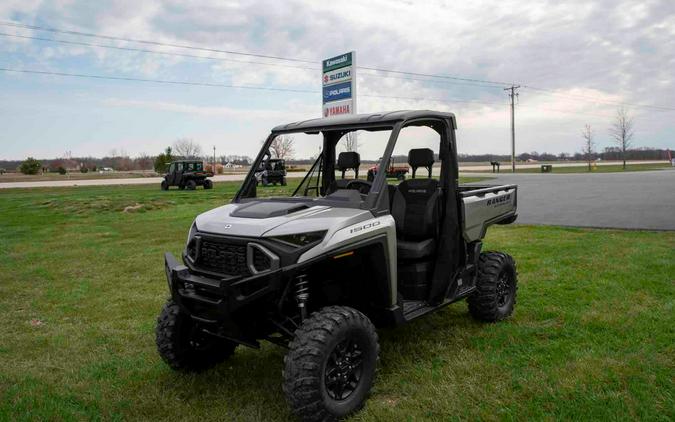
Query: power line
x=166 y=53
x=468 y=81
x=218 y=85
x=430 y=99
x=161 y=81
x=140 y=41
x=430 y=75
x=213 y=50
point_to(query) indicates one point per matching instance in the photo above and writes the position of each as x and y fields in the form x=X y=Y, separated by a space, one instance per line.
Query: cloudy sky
x=576 y=60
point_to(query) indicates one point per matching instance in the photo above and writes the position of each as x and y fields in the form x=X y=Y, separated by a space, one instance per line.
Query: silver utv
x=315 y=271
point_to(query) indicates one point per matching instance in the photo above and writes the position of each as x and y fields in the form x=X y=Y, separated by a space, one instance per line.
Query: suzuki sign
x=339 y=85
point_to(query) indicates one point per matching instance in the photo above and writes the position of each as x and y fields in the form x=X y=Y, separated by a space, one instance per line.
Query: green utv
x=317 y=270
x=187 y=174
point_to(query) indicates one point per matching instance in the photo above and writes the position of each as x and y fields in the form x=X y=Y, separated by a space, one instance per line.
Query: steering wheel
x=360 y=185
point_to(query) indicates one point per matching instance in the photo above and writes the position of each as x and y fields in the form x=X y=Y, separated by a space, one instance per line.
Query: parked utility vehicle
x=271 y=171
x=393 y=171
x=187 y=174
x=317 y=271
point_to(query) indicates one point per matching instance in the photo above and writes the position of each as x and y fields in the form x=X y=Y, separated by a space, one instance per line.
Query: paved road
x=634 y=200
x=109 y=182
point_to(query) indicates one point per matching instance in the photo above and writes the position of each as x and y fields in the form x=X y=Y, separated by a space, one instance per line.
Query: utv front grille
x=223 y=258
x=230 y=258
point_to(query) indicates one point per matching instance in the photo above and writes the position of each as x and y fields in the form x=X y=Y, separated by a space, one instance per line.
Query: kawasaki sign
x=339 y=85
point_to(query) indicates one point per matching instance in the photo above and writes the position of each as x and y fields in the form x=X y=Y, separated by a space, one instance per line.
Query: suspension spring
x=302 y=294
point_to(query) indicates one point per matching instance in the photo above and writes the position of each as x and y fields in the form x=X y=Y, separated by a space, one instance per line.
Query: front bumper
x=215 y=300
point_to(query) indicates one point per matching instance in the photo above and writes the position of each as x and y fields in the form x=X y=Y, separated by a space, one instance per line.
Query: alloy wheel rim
x=344 y=369
x=503 y=290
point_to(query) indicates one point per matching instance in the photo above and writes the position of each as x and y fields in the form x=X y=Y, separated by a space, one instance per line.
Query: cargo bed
x=484 y=205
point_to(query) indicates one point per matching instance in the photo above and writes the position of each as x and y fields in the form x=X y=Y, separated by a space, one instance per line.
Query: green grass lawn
x=81 y=283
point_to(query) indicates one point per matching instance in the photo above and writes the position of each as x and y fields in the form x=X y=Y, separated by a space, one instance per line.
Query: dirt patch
x=101 y=204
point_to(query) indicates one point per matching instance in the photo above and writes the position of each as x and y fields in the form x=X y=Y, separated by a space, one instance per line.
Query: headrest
x=348 y=160
x=421 y=157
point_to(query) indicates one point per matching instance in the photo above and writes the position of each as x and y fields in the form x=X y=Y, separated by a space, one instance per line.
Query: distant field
x=19 y=177
x=592 y=336
x=580 y=168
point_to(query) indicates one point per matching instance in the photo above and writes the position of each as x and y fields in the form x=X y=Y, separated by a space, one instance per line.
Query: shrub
x=61 y=170
x=163 y=160
x=30 y=166
x=83 y=169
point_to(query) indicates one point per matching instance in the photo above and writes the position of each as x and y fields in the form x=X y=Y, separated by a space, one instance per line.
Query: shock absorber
x=302 y=294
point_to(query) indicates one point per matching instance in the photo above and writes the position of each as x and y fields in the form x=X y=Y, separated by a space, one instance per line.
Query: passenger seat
x=346 y=161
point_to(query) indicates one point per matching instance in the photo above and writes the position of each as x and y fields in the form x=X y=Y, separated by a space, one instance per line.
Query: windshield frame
x=375 y=201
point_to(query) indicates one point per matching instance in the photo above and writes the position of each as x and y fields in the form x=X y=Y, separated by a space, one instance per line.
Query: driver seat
x=415 y=209
x=350 y=160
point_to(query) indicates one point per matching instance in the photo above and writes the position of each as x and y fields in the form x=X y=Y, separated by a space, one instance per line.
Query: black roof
x=386 y=118
x=188 y=161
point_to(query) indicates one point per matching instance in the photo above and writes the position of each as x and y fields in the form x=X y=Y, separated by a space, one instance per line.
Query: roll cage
x=334 y=128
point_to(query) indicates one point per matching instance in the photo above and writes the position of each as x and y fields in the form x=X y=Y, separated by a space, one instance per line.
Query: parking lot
x=634 y=200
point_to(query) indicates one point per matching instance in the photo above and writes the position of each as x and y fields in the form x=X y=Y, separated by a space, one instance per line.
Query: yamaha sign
x=338 y=80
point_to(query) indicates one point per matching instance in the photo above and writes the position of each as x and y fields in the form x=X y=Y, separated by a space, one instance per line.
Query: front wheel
x=283 y=181
x=184 y=346
x=330 y=367
x=165 y=185
x=191 y=185
x=496 y=287
x=208 y=184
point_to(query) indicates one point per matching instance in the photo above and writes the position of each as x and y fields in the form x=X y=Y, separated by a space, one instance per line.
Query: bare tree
x=622 y=132
x=350 y=143
x=589 y=145
x=282 y=147
x=144 y=161
x=187 y=148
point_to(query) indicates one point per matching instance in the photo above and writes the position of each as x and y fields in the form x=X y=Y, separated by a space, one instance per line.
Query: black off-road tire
x=165 y=185
x=208 y=184
x=283 y=182
x=184 y=349
x=496 y=287
x=191 y=185
x=320 y=353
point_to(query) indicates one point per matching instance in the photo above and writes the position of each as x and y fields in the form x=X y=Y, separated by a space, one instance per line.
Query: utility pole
x=513 y=94
x=214 y=160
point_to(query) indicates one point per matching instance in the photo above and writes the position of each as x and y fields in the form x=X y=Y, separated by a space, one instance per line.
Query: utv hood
x=252 y=219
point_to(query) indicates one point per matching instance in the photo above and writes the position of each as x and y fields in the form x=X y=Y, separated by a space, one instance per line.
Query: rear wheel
x=497 y=283
x=165 y=185
x=183 y=346
x=191 y=185
x=330 y=367
x=208 y=184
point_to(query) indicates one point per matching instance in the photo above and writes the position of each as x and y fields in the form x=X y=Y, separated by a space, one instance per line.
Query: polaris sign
x=338 y=80
x=337 y=92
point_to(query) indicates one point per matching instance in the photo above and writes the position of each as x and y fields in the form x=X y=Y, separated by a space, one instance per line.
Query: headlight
x=301 y=239
x=193 y=231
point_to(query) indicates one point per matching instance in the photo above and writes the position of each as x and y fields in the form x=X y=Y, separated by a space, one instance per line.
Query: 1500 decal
x=365 y=227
